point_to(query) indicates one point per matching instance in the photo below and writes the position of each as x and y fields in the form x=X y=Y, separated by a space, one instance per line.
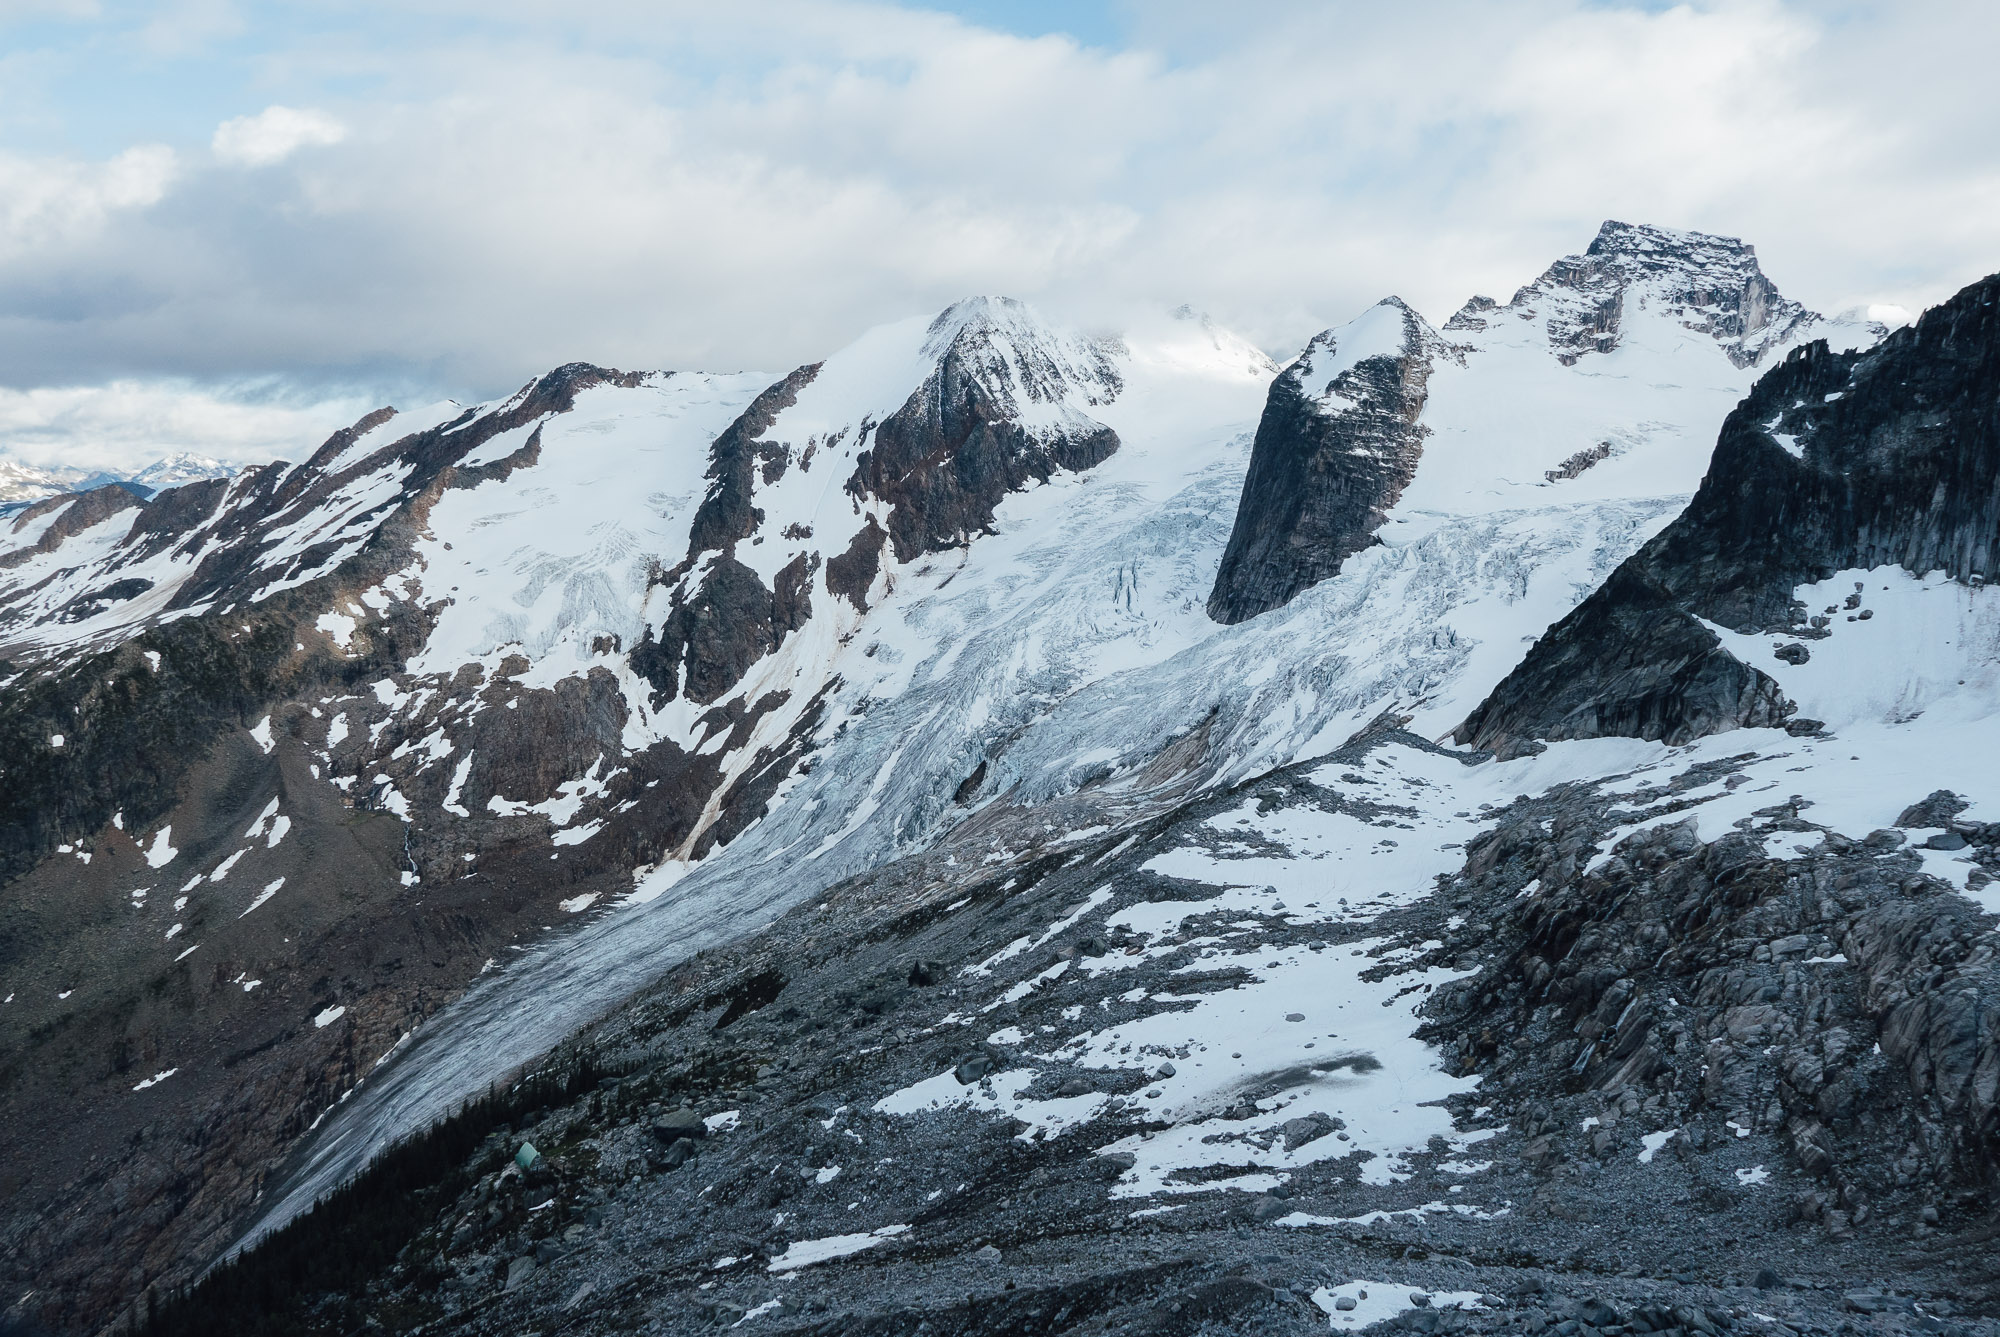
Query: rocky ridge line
x=1835 y=461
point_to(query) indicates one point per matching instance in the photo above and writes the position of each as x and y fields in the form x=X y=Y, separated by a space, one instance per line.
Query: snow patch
x=161 y=852
x=805 y=1253
x=266 y=894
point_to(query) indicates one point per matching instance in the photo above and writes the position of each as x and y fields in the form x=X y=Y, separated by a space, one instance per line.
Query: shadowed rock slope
x=1835 y=461
x=1338 y=443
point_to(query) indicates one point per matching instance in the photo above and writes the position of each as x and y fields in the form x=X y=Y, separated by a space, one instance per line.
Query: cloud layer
x=447 y=199
x=127 y=424
x=273 y=135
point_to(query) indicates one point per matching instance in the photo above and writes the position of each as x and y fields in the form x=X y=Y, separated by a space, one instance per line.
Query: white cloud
x=656 y=184
x=12 y=11
x=128 y=424
x=49 y=206
x=273 y=135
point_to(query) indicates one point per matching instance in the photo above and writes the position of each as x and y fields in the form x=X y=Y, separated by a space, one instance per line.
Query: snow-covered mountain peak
x=181 y=467
x=1383 y=427
x=1339 y=441
x=1389 y=329
x=1210 y=349
x=1638 y=273
x=988 y=316
x=1018 y=358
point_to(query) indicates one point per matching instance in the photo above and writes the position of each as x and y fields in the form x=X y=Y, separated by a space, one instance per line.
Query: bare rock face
x=1835 y=461
x=726 y=624
x=965 y=440
x=1712 y=284
x=997 y=412
x=1338 y=443
x=1682 y=972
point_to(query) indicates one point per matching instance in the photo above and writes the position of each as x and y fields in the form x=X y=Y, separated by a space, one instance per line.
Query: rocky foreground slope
x=1179 y=1080
x=964 y=931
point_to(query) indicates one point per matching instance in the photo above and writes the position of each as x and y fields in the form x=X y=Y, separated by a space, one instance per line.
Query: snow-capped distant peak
x=1702 y=282
x=1224 y=350
x=1018 y=356
x=179 y=468
x=24 y=483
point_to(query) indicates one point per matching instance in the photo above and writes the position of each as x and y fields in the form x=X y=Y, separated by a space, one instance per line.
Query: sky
x=231 y=228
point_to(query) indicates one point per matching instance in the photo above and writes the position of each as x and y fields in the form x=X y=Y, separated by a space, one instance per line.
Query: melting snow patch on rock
x=1652 y=1143
x=339 y=626
x=1361 y=1304
x=1357 y=1066
x=266 y=894
x=161 y=852
x=804 y=1253
x=328 y=1017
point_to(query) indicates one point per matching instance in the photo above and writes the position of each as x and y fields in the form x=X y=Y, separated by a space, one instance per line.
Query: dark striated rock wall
x=1839 y=1001
x=850 y=574
x=1329 y=461
x=728 y=513
x=947 y=457
x=1835 y=461
x=731 y=621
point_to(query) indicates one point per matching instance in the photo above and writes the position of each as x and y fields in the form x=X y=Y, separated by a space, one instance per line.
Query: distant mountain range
x=24 y=484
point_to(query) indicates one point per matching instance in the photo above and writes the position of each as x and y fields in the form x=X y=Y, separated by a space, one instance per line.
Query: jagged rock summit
x=1708 y=284
x=1579 y=374
x=1837 y=462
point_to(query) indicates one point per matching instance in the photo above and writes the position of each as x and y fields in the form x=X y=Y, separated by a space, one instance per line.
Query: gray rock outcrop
x=1339 y=441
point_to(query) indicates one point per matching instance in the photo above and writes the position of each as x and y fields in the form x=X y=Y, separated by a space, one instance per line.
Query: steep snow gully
x=1228 y=732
